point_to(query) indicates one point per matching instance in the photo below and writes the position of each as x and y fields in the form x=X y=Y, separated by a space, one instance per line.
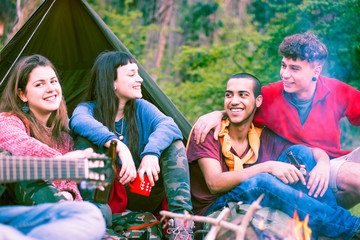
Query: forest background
x=191 y=47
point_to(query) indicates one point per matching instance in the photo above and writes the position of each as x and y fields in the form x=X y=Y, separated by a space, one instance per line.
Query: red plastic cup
x=142 y=188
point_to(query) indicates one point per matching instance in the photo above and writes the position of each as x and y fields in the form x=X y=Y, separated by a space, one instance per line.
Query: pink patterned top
x=15 y=138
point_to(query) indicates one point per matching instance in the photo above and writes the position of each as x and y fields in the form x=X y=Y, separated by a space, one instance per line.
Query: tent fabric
x=71 y=35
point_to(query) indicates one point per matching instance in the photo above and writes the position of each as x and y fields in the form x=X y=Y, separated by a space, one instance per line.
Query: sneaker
x=180 y=229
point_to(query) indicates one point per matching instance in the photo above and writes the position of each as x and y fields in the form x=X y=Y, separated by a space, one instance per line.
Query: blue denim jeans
x=61 y=220
x=326 y=218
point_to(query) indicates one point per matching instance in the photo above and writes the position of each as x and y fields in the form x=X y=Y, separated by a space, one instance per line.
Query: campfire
x=301 y=230
x=251 y=225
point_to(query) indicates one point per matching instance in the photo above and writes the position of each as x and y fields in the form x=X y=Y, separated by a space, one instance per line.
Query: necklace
x=120 y=135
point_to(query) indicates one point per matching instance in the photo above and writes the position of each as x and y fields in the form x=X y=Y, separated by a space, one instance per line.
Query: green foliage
x=341 y=35
x=197 y=21
x=126 y=24
x=266 y=10
x=252 y=46
x=204 y=71
x=355 y=210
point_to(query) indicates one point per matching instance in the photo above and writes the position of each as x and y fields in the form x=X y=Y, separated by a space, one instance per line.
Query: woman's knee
x=175 y=148
x=174 y=155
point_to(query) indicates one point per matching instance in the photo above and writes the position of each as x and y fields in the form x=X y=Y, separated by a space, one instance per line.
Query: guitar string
x=73 y=167
x=69 y=167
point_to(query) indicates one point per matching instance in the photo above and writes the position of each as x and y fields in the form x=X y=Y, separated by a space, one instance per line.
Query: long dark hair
x=102 y=92
x=11 y=102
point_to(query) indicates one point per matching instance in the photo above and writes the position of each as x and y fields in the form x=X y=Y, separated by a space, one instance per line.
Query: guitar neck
x=14 y=168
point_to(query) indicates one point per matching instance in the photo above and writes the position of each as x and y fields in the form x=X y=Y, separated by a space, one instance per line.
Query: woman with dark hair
x=114 y=111
x=34 y=122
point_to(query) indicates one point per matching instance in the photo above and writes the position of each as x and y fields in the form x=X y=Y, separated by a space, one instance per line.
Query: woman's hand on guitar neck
x=87 y=154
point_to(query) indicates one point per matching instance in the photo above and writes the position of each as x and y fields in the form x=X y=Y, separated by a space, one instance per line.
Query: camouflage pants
x=32 y=193
x=173 y=181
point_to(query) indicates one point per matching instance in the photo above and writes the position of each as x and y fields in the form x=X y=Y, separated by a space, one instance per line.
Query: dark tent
x=71 y=35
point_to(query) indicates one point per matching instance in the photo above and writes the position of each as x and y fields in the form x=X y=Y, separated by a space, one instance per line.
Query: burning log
x=300 y=229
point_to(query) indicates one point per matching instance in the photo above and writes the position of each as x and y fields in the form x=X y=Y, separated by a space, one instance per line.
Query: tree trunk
x=163 y=34
x=22 y=15
x=160 y=13
x=236 y=8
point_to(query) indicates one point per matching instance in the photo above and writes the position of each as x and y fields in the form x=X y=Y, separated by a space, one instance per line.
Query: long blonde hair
x=11 y=102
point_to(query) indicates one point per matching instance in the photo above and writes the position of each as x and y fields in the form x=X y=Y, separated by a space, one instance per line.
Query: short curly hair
x=305 y=46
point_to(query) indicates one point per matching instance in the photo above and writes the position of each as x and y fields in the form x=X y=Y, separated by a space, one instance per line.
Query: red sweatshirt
x=15 y=138
x=333 y=100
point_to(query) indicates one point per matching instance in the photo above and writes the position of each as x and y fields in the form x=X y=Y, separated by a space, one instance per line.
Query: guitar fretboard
x=14 y=168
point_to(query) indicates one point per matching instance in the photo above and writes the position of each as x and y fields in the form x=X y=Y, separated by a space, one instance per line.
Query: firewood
x=216 y=227
x=219 y=222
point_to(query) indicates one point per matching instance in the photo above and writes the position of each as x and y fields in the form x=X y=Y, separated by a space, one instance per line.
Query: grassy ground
x=356 y=210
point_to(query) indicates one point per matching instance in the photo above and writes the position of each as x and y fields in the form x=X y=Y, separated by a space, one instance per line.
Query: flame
x=301 y=229
x=261 y=224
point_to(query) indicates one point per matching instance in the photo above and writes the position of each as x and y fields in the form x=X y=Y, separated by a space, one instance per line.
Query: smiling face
x=42 y=93
x=128 y=82
x=240 y=103
x=297 y=77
